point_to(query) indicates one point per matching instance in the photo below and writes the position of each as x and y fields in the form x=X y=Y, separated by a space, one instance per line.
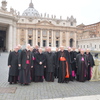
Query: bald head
x=73 y=48
x=87 y=51
x=19 y=46
x=36 y=47
x=49 y=49
x=57 y=49
x=62 y=48
x=28 y=46
x=16 y=49
x=69 y=49
x=31 y=49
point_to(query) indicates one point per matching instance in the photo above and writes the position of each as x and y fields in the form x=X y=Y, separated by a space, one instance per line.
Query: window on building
x=38 y=20
x=87 y=46
x=78 y=46
x=71 y=23
x=71 y=42
x=71 y=34
x=44 y=43
x=95 y=46
x=38 y=43
x=50 y=44
x=50 y=33
x=30 y=31
x=57 y=43
x=57 y=34
x=22 y=20
x=38 y=32
x=30 y=37
x=30 y=42
x=44 y=32
x=63 y=23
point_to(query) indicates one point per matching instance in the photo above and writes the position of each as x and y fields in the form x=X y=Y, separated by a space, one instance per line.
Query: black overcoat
x=13 y=61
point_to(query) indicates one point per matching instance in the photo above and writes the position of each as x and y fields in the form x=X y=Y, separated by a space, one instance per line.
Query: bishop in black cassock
x=50 y=65
x=13 y=66
x=39 y=66
x=25 y=64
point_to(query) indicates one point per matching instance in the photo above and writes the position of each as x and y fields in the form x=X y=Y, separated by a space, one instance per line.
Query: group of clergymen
x=34 y=65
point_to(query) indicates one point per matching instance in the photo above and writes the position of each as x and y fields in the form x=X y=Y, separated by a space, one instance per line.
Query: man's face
x=19 y=47
x=87 y=51
x=69 y=49
x=49 y=49
x=31 y=49
x=40 y=50
x=16 y=49
x=57 y=49
x=61 y=48
x=82 y=52
x=46 y=49
x=79 y=49
x=28 y=46
x=36 y=47
x=74 y=49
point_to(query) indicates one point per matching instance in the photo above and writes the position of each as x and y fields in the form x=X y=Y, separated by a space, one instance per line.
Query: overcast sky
x=85 y=11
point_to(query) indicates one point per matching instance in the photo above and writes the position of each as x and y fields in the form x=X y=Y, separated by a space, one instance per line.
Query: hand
x=40 y=63
x=31 y=66
x=9 y=66
x=19 y=65
x=44 y=66
x=74 y=58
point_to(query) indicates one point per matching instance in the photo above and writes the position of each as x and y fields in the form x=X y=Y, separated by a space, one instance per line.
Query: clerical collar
x=62 y=51
x=27 y=50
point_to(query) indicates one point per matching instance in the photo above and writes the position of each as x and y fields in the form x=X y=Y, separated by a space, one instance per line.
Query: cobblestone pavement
x=46 y=90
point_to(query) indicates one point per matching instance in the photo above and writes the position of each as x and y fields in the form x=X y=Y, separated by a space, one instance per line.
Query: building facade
x=88 y=36
x=35 y=28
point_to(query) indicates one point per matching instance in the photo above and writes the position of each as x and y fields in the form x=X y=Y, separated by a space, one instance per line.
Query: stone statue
x=4 y=5
x=12 y=10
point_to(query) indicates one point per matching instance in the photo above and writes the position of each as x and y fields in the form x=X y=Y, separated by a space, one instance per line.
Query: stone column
x=33 y=37
x=36 y=37
x=14 y=36
x=52 y=39
x=60 y=38
x=41 y=39
x=26 y=37
x=7 y=38
x=75 y=40
x=48 y=38
x=10 y=41
x=67 y=39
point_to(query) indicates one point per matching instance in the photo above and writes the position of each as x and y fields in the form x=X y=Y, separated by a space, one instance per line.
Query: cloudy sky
x=85 y=11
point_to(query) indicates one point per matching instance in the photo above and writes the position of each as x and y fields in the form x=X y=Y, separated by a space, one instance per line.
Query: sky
x=85 y=11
